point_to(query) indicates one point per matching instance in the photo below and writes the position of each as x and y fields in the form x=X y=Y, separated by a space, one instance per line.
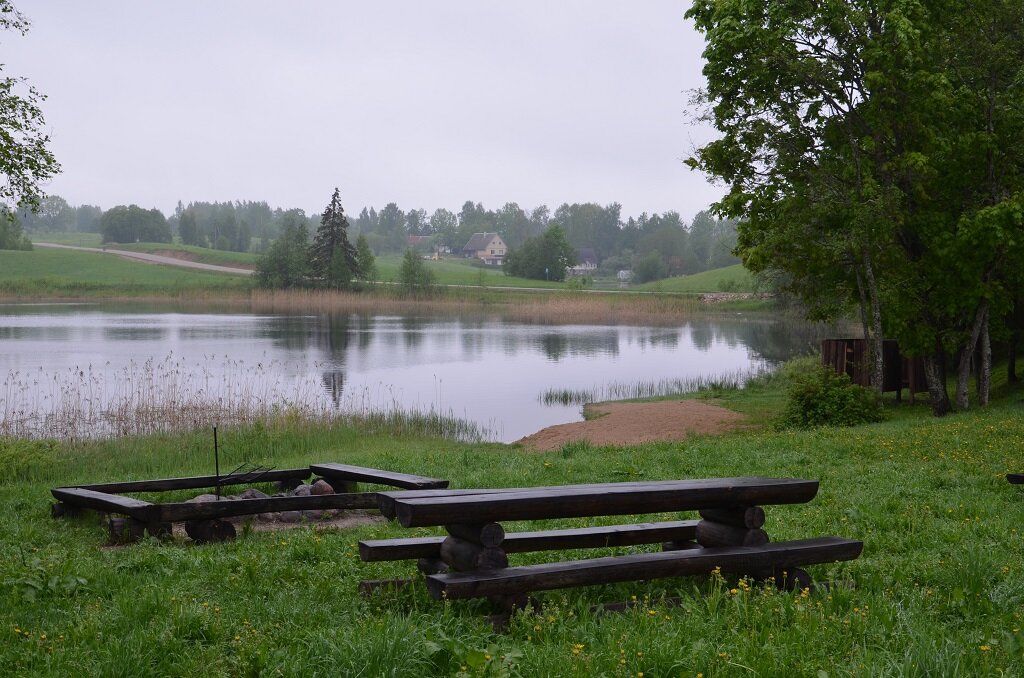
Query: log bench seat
x=768 y=560
x=543 y=540
x=472 y=560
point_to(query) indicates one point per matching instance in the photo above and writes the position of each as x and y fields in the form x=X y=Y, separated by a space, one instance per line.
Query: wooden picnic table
x=472 y=560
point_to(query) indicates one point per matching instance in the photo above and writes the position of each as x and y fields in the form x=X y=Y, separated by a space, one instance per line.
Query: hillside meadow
x=69 y=273
x=939 y=589
x=448 y=271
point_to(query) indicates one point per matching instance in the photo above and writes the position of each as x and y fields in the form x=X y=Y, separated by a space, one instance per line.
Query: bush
x=817 y=396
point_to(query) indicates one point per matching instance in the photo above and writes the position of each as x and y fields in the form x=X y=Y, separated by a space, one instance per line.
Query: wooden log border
x=105 y=497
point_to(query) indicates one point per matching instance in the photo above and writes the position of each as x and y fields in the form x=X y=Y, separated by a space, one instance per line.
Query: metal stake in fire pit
x=216 y=463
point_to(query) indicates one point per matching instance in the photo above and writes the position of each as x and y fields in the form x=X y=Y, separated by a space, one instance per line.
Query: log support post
x=209 y=531
x=124 y=530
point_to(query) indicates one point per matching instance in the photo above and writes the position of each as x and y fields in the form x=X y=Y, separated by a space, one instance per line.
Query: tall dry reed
x=173 y=395
x=533 y=307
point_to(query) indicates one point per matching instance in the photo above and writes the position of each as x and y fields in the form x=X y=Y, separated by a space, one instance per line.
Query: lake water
x=59 y=362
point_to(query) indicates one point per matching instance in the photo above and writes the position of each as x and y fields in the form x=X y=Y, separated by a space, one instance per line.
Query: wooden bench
x=472 y=560
x=1015 y=478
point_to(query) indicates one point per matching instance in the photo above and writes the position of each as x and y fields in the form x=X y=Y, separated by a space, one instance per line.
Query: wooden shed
x=850 y=357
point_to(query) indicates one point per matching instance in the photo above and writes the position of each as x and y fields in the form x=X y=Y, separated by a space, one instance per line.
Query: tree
x=25 y=160
x=542 y=258
x=332 y=258
x=285 y=263
x=413 y=276
x=11 y=237
x=188 y=228
x=134 y=224
x=391 y=226
x=366 y=264
x=872 y=149
x=444 y=225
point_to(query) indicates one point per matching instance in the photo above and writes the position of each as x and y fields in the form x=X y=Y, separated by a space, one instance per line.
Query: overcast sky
x=427 y=104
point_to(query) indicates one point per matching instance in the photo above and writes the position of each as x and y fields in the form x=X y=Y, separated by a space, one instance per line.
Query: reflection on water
x=488 y=371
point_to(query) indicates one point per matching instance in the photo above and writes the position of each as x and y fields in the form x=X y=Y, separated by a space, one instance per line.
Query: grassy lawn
x=939 y=589
x=728 y=279
x=455 y=271
x=201 y=254
x=69 y=238
x=56 y=272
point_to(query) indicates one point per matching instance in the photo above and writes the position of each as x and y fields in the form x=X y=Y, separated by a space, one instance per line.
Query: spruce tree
x=332 y=258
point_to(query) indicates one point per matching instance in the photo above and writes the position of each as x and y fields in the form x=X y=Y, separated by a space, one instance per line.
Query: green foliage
x=366 y=262
x=285 y=263
x=11 y=237
x=333 y=260
x=817 y=396
x=543 y=258
x=414 y=278
x=875 y=162
x=648 y=268
x=25 y=160
x=134 y=224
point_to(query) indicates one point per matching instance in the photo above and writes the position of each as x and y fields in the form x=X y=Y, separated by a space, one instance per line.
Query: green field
x=455 y=271
x=938 y=591
x=729 y=279
x=68 y=272
x=204 y=255
x=69 y=238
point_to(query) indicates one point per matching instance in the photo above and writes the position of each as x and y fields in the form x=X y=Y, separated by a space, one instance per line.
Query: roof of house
x=586 y=255
x=413 y=240
x=479 y=241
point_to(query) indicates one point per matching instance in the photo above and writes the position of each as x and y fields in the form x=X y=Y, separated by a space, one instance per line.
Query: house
x=488 y=247
x=417 y=242
x=586 y=262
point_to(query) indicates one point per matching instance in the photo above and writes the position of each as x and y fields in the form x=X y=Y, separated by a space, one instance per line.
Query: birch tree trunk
x=872 y=331
x=985 y=385
x=963 y=370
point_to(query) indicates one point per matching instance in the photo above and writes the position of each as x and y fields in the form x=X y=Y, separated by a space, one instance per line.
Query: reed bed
x=171 y=395
x=534 y=307
x=616 y=390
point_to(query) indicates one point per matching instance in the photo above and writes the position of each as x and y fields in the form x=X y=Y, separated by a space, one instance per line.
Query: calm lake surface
x=489 y=371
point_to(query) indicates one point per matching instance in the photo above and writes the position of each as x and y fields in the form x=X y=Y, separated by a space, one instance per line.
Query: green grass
x=204 y=255
x=729 y=279
x=51 y=272
x=454 y=271
x=68 y=238
x=939 y=589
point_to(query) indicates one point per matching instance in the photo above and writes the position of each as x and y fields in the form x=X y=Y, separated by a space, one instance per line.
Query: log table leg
x=208 y=531
x=124 y=530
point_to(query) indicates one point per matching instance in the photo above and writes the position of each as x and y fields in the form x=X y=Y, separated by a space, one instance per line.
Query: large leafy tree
x=134 y=224
x=25 y=160
x=542 y=258
x=285 y=263
x=332 y=258
x=414 y=277
x=861 y=145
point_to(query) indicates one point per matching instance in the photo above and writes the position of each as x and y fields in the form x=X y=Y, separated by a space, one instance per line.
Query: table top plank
x=576 y=501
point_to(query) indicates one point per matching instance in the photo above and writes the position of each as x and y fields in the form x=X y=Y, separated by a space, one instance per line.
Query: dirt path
x=632 y=423
x=151 y=258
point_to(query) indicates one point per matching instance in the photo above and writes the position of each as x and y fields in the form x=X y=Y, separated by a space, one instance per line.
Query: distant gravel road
x=151 y=258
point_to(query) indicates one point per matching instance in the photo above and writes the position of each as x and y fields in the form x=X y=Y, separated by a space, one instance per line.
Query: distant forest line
x=653 y=245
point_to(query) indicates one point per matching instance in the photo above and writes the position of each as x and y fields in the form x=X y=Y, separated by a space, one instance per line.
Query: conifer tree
x=332 y=258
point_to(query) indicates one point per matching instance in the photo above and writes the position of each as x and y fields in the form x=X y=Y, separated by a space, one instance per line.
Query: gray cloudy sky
x=424 y=103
